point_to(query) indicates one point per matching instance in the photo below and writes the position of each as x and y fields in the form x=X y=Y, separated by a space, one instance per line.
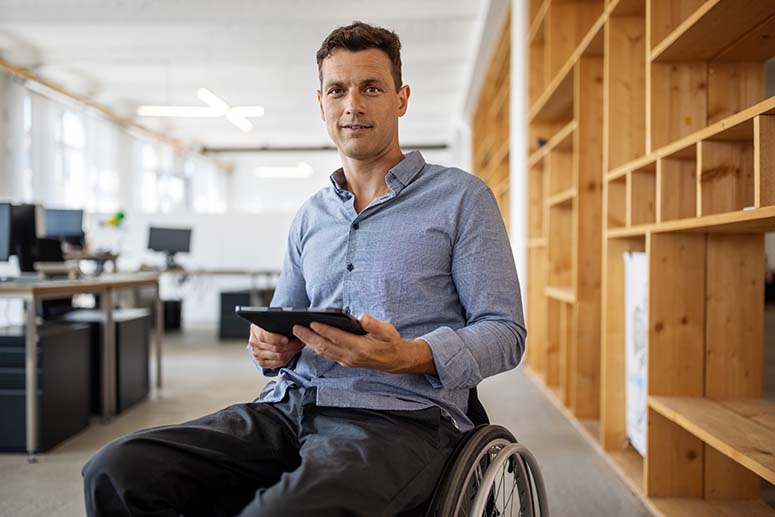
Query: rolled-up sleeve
x=485 y=276
x=291 y=289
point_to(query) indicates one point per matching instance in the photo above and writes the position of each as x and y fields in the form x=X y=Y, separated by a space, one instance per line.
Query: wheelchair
x=489 y=474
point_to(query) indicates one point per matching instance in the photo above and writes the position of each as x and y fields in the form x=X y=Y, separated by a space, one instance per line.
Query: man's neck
x=366 y=178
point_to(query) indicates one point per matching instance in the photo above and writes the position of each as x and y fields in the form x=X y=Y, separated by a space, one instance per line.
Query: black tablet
x=280 y=320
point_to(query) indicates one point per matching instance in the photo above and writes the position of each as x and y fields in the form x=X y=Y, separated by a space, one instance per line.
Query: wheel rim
x=475 y=476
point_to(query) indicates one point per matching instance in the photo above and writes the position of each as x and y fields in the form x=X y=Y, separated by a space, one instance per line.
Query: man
x=353 y=425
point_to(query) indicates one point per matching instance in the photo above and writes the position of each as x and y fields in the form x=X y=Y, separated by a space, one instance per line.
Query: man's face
x=359 y=102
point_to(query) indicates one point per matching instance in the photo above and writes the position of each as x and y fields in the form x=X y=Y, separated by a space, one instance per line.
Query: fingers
x=323 y=346
x=380 y=329
x=263 y=336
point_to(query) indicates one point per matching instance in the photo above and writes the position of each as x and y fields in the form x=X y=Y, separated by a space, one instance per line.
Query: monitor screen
x=5 y=231
x=170 y=240
x=61 y=223
x=23 y=235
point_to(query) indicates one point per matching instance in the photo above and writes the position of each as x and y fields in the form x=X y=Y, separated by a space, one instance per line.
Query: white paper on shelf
x=636 y=346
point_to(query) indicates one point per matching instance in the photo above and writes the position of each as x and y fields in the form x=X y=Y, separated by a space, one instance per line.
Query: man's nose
x=354 y=104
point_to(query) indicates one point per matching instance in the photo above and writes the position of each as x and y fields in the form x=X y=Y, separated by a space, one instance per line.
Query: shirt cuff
x=454 y=362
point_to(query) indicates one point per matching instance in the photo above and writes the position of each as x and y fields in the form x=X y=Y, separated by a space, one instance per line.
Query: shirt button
x=356 y=226
x=347 y=310
x=350 y=267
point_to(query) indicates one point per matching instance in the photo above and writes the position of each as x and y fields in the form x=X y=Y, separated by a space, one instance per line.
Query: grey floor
x=202 y=375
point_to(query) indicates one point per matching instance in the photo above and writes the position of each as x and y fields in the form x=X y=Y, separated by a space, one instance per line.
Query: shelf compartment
x=562 y=140
x=568 y=22
x=561 y=198
x=764 y=160
x=561 y=239
x=616 y=202
x=679 y=100
x=613 y=434
x=641 y=195
x=742 y=430
x=701 y=29
x=677 y=185
x=625 y=117
x=561 y=167
x=726 y=167
x=536 y=185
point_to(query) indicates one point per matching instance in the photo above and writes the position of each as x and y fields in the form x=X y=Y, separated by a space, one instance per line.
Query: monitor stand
x=170 y=264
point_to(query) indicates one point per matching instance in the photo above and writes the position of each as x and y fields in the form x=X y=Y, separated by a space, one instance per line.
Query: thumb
x=374 y=326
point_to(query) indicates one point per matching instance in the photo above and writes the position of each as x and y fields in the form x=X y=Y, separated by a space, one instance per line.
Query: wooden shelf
x=557 y=101
x=539 y=242
x=538 y=20
x=563 y=139
x=561 y=294
x=713 y=27
x=743 y=430
x=561 y=198
x=758 y=220
x=680 y=507
x=766 y=107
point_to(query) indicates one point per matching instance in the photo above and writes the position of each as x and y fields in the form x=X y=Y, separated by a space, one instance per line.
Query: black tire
x=455 y=490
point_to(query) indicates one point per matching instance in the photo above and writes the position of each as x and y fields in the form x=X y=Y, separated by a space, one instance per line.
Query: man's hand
x=272 y=350
x=380 y=349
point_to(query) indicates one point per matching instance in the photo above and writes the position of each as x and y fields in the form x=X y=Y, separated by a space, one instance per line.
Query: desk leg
x=159 y=334
x=108 y=356
x=31 y=372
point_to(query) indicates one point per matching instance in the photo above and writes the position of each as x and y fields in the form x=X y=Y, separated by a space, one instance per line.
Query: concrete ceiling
x=125 y=53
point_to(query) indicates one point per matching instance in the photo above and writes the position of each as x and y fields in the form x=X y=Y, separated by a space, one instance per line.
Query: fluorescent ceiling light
x=248 y=111
x=299 y=171
x=216 y=107
x=178 y=111
x=242 y=123
x=212 y=100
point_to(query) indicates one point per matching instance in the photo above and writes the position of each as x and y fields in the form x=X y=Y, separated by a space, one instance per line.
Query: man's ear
x=403 y=99
x=320 y=103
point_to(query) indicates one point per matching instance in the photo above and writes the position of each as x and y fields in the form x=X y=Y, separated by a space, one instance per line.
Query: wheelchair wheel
x=508 y=486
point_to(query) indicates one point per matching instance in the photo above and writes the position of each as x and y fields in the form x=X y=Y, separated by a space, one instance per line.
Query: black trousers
x=280 y=460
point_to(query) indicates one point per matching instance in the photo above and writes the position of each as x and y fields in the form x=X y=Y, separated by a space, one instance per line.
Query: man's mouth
x=356 y=127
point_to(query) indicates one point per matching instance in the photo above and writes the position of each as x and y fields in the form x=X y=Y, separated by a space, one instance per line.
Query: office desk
x=30 y=292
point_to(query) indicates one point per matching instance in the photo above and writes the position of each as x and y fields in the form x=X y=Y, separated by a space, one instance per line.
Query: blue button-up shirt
x=432 y=257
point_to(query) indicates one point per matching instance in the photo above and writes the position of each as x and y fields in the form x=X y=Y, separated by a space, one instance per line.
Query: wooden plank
x=735 y=316
x=535 y=189
x=734 y=86
x=561 y=198
x=764 y=160
x=678 y=100
x=552 y=359
x=682 y=507
x=674 y=459
x=560 y=294
x=676 y=314
x=561 y=173
x=745 y=441
x=748 y=221
x=626 y=89
x=536 y=309
x=726 y=176
x=612 y=410
x=711 y=28
x=585 y=348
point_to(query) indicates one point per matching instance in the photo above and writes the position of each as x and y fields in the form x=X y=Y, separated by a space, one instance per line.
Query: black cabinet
x=63 y=385
x=132 y=354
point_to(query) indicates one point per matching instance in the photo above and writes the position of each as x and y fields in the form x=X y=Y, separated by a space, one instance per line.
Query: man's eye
x=335 y=91
x=372 y=89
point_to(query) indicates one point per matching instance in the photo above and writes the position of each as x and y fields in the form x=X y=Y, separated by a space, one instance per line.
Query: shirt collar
x=396 y=178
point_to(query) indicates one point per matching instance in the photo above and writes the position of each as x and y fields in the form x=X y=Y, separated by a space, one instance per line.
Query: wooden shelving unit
x=490 y=146
x=649 y=131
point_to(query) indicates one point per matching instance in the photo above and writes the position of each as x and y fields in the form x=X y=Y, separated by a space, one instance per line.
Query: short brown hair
x=361 y=36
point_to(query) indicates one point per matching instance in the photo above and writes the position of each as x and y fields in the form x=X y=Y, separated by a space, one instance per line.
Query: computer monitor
x=5 y=231
x=24 y=237
x=65 y=225
x=169 y=241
